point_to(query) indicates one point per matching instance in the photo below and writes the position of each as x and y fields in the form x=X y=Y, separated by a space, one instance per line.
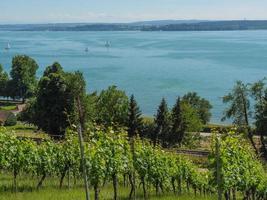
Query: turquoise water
x=151 y=65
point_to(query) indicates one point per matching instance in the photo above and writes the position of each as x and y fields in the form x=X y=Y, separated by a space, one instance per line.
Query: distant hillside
x=165 y=22
x=161 y=25
x=212 y=26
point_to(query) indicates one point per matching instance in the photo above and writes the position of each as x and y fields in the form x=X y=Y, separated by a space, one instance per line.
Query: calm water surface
x=151 y=65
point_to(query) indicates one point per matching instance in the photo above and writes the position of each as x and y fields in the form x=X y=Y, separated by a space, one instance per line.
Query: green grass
x=51 y=191
x=7 y=106
x=75 y=194
x=26 y=130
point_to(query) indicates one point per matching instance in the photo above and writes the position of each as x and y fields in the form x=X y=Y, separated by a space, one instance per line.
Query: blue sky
x=43 y=11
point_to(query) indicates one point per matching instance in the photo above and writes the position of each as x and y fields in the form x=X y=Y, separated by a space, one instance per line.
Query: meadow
x=51 y=191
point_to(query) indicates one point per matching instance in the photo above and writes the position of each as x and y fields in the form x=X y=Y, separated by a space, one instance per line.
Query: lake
x=151 y=65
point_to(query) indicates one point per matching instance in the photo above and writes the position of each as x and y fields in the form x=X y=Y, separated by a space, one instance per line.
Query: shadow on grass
x=11 y=189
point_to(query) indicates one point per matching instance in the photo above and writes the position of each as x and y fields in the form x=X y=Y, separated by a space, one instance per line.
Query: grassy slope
x=75 y=194
x=25 y=130
x=7 y=106
x=51 y=191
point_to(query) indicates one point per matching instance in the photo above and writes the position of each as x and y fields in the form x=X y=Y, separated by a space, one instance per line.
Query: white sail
x=8 y=46
x=107 y=44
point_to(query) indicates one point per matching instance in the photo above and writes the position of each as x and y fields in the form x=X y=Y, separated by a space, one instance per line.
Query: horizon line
x=126 y=22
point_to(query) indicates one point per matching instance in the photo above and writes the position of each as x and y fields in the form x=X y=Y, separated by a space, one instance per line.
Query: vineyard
x=114 y=161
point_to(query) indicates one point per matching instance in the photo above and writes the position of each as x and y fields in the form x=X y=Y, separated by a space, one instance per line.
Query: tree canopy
x=201 y=105
x=112 y=107
x=162 y=123
x=239 y=108
x=23 y=76
x=3 y=82
x=134 y=118
x=54 y=109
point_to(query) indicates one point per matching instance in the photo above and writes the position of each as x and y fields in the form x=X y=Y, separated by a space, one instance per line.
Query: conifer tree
x=176 y=135
x=162 y=124
x=259 y=94
x=134 y=127
x=134 y=118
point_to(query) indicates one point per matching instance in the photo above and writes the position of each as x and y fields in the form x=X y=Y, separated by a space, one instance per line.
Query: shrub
x=11 y=120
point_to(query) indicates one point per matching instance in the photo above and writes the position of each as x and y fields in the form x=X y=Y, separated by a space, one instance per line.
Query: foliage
x=259 y=94
x=29 y=114
x=176 y=117
x=134 y=118
x=16 y=155
x=76 y=91
x=108 y=158
x=67 y=156
x=23 y=76
x=239 y=109
x=11 y=120
x=112 y=107
x=46 y=160
x=3 y=82
x=201 y=105
x=191 y=124
x=91 y=107
x=181 y=126
x=53 y=97
x=56 y=94
x=240 y=170
x=148 y=128
x=162 y=121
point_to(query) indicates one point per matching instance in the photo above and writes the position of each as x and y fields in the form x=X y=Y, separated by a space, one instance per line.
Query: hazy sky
x=43 y=11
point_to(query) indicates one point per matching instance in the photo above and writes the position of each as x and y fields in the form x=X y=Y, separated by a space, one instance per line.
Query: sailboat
x=107 y=44
x=8 y=46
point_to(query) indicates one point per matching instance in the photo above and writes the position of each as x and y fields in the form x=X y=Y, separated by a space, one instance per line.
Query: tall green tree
x=3 y=82
x=261 y=126
x=54 y=103
x=23 y=76
x=239 y=108
x=259 y=94
x=162 y=121
x=55 y=107
x=76 y=89
x=191 y=125
x=112 y=107
x=135 y=126
x=176 y=136
x=134 y=118
x=201 y=105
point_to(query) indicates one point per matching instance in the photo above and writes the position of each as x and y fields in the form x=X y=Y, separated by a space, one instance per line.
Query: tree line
x=51 y=105
x=22 y=81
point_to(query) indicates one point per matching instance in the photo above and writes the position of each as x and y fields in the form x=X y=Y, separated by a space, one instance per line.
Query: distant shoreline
x=150 y=26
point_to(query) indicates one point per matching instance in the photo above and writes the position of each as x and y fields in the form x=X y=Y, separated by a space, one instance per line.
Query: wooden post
x=218 y=168
x=133 y=154
x=80 y=133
